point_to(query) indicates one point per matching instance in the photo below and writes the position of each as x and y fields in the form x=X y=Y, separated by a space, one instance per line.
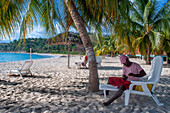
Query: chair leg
x=10 y=72
x=30 y=72
x=20 y=74
x=156 y=100
x=104 y=91
x=127 y=95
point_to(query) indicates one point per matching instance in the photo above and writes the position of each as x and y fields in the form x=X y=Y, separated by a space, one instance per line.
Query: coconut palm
x=93 y=74
x=108 y=46
x=46 y=11
x=148 y=19
x=10 y=13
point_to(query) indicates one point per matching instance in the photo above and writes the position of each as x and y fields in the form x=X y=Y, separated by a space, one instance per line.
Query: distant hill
x=38 y=45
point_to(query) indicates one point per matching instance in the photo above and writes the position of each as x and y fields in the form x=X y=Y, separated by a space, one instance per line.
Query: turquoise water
x=11 y=57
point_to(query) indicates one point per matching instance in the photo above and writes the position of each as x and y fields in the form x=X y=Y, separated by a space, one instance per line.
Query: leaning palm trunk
x=93 y=85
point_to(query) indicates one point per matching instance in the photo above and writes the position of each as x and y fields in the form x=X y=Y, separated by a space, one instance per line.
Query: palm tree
x=147 y=19
x=93 y=74
x=10 y=16
x=48 y=12
x=109 y=46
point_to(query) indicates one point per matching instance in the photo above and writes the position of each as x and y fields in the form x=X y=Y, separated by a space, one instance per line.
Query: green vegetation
x=38 y=45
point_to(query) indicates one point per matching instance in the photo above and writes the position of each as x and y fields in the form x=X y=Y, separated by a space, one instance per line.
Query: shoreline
x=40 y=54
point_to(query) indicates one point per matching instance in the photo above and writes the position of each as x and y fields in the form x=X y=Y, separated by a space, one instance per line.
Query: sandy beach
x=54 y=88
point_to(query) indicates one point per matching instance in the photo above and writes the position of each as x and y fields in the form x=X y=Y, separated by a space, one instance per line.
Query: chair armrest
x=141 y=82
x=107 y=87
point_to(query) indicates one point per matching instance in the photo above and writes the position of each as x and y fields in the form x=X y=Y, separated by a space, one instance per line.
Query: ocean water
x=11 y=57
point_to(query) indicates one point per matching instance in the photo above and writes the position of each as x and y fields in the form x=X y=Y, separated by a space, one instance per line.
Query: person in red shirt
x=131 y=71
x=85 y=61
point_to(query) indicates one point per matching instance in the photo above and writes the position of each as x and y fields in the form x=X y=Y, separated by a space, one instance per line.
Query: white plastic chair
x=99 y=61
x=25 y=69
x=153 y=78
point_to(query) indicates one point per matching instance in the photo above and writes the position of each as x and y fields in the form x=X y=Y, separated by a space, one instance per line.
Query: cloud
x=38 y=31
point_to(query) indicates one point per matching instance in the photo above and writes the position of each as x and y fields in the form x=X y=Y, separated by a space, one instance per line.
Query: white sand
x=55 y=88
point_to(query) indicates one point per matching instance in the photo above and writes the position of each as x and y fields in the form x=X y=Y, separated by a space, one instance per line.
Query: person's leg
x=117 y=95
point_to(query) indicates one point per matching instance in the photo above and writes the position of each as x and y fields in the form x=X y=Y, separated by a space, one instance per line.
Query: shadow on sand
x=32 y=76
x=109 y=68
x=4 y=82
x=166 y=65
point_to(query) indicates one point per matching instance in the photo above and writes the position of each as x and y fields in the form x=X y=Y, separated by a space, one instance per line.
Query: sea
x=11 y=57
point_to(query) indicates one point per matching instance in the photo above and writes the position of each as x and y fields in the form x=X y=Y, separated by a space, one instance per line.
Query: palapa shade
x=63 y=39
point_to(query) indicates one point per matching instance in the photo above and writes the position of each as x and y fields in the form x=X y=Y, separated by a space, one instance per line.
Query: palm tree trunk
x=148 y=55
x=93 y=85
x=111 y=54
x=149 y=48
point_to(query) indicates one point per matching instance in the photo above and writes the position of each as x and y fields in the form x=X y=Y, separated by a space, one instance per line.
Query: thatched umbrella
x=79 y=49
x=63 y=39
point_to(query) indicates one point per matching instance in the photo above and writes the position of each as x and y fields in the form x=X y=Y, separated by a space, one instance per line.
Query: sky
x=39 y=31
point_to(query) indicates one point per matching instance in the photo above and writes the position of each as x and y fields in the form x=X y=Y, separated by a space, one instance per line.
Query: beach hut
x=67 y=39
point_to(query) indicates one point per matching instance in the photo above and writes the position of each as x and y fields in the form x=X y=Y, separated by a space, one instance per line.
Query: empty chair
x=25 y=69
x=153 y=78
x=99 y=61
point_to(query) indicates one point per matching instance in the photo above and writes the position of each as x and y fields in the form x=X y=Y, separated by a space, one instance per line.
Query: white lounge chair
x=25 y=69
x=99 y=61
x=153 y=78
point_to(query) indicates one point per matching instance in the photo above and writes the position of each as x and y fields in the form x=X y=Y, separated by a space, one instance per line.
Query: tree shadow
x=34 y=76
x=109 y=68
x=30 y=76
x=44 y=90
x=9 y=83
x=66 y=90
x=104 y=78
x=164 y=80
x=166 y=65
x=111 y=62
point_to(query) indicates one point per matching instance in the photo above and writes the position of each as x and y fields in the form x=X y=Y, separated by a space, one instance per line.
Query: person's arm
x=142 y=73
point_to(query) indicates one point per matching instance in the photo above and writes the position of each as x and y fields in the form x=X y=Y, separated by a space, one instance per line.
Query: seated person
x=82 y=63
x=85 y=61
x=131 y=71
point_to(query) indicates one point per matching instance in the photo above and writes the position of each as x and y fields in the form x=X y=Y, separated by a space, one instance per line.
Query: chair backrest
x=99 y=59
x=26 y=65
x=155 y=71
